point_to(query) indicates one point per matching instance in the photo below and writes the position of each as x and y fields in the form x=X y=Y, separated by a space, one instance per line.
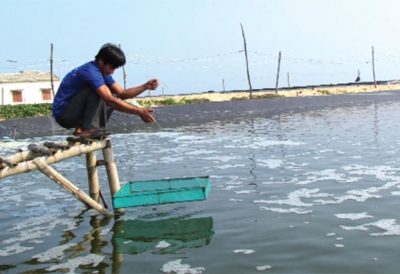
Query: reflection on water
x=310 y=191
x=137 y=236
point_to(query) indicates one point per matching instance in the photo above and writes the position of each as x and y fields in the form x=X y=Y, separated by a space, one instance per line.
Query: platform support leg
x=112 y=173
x=71 y=188
x=93 y=178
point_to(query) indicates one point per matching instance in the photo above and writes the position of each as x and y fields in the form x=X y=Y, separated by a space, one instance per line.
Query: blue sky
x=195 y=46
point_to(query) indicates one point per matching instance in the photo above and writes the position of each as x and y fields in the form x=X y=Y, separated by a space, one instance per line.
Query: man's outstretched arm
x=129 y=93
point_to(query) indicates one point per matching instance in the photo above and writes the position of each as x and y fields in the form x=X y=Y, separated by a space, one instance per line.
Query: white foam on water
x=33 y=229
x=259 y=143
x=358 y=195
x=235 y=200
x=35 y=204
x=327 y=174
x=221 y=158
x=14 y=198
x=339 y=245
x=286 y=210
x=234 y=183
x=53 y=253
x=245 y=191
x=270 y=163
x=294 y=198
x=73 y=264
x=104 y=232
x=30 y=234
x=170 y=159
x=13 y=250
x=325 y=150
x=35 y=241
x=276 y=183
x=244 y=251
x=163 y=244
x=331 y=234
x=229 y=166
x=353 y=216
x=34 y=221
x=383 y=173
x=178 y=268
x=200 y=151
x=263 y=267
x=388 y=225
x=49 y=194
x=232 y=187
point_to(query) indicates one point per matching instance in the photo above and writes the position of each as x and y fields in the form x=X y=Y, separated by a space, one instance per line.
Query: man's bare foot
x=78 y=131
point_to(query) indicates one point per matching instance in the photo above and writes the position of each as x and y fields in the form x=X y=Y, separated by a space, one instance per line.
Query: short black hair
x=111 y=54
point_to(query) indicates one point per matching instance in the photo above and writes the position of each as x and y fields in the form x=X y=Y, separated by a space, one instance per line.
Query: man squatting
x=90 y=93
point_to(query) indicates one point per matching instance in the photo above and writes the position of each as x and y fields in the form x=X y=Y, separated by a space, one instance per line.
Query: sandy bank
x=302 y=92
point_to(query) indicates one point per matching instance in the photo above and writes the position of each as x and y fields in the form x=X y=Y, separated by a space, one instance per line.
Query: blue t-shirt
x=88 y=74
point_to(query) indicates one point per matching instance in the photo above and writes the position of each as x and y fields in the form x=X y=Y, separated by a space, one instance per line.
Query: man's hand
x=145 y=115
x=152 y=84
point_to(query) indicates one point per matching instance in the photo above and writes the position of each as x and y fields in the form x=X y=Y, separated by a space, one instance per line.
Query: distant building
x=27 y=87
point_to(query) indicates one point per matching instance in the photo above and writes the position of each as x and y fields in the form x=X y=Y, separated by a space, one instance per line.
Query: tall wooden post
x=277 y=74
x=51 y=69
x=373 y=65
x=93 y=178
x=112 y=173
x=247 y=63
x=123 y=71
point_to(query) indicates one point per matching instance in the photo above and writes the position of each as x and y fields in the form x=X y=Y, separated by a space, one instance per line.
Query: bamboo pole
x=58 y=156
x=112 y=173
x=42 y=149
x=277 y=74
x=51 y=69
x=63 y=145
x=5 y=161
x=93 y=178
x=247 y=63
x=373 y=65
x=71 y=188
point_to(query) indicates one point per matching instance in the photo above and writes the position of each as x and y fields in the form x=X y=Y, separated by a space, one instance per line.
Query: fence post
x=277 y=74
x=373 y=65
x=247 y=63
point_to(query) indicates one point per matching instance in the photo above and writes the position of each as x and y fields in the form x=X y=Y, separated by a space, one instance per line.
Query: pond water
x=310 y=191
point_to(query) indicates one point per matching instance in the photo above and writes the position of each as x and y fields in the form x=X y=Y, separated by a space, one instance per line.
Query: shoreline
x=284 y=92
x=220 y=107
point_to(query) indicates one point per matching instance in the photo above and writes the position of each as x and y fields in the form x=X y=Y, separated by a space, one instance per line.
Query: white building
x=27 y=87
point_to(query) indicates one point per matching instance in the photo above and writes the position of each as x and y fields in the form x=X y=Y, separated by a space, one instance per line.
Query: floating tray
x=163 y=191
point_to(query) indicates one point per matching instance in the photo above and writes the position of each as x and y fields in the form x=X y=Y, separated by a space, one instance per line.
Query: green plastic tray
x=163 y=191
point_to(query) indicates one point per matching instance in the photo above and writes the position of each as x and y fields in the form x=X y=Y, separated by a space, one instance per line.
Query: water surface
x=300 y=192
